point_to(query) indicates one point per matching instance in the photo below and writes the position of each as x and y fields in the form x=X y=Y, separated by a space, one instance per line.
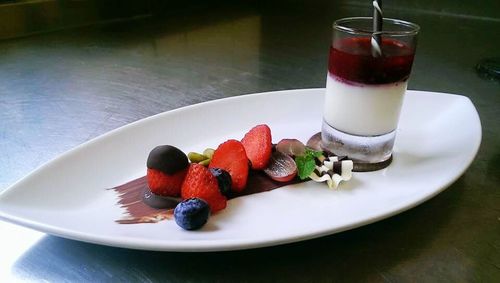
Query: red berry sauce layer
x=351 y=61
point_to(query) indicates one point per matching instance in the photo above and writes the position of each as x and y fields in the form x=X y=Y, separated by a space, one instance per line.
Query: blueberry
x=192 y=213
x=224 y=180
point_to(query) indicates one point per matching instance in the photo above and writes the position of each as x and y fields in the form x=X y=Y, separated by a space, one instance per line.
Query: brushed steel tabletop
x=60 y=89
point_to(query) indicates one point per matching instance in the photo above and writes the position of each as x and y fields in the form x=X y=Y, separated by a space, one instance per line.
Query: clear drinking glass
x=364 y=91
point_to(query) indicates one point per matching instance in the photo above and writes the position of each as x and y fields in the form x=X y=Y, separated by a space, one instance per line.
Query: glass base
x=363 y=150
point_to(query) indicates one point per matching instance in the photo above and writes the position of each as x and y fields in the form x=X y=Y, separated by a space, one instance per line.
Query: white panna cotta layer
x=364 y=110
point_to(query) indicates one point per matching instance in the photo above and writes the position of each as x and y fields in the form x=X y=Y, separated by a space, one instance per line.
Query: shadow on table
x=365 y=253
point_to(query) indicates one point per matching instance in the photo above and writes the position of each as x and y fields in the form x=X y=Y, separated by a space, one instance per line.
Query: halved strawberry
x=231 y=156
x=258 y=146
x=200 y=183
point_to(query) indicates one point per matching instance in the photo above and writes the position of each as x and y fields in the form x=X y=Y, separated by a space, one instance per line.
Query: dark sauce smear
x=157 y=201
x=142 y=206
x=130 y=197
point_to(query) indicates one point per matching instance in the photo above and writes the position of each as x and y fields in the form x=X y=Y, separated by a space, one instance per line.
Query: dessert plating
x=184 y=187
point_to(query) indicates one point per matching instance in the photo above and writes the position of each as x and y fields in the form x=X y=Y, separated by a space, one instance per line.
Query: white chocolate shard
x=326 y=168
x=347 y=166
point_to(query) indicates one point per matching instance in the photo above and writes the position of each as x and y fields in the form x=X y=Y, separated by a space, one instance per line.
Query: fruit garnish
x=258 y=146
x=192 y=213
x=281 y=167
x=224 y=180
x=314 y=142
x=200 y=183
x=306 y=162
x=291 y=147
x=167 y=167
x=164 y=184
x=231 y=156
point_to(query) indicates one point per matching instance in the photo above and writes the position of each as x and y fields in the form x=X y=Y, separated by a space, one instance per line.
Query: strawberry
x=165 y=184
x=167 y=166
x=258 y=146
x=200 y=183
x=231 y=156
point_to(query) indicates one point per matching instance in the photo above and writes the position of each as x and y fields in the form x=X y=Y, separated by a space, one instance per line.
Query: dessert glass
x=365 y=90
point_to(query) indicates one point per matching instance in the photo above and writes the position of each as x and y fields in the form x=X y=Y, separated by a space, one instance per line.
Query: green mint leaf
x=306 y=169
x=314 y=153
x=306 y=163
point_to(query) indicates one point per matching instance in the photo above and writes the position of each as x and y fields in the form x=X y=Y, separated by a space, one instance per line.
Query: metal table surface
x=60 y=89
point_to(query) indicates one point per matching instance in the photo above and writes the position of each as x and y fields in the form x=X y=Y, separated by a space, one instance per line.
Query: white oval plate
x=438 y=137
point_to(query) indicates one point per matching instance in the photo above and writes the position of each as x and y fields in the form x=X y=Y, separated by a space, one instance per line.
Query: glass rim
x=413 y=29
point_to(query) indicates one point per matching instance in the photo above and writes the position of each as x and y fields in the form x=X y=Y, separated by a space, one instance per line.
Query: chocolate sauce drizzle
x=131 y=194
x=130 y=198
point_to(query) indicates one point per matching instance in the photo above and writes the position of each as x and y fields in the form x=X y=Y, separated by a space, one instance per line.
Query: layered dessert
x=364 y=93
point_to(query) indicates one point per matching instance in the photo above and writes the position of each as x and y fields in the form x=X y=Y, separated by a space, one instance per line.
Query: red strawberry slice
x=200 y=183
x=165 y=184
x=231 y=156
x=258 y=146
